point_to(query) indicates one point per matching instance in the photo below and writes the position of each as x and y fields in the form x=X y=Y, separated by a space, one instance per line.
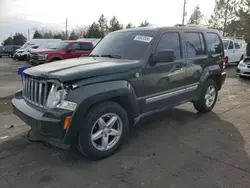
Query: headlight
x=56 y=97
x=42 y=56
x=242 y=64
x=56 y=94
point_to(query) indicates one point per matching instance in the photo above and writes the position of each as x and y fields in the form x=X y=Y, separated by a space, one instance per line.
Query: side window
x=195 y=44
x=75 y=46
x=231 y=45
x=237 y=45
x=170 y=41
x=86 y=46
x=214 y=43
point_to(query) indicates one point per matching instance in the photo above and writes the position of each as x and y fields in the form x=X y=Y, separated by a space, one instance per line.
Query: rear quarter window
x=214 y=43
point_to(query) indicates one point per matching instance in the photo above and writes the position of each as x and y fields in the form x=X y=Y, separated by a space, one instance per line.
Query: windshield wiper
x=111 y=56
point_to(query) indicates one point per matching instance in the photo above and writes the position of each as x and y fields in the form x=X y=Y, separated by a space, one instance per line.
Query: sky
x=52 y=13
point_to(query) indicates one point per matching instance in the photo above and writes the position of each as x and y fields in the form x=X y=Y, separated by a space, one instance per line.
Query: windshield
x=60 y=45
x=225 y=44
x=124 y=45
x=25 y=45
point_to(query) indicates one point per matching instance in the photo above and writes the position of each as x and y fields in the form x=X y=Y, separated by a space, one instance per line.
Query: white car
x=234 y=50
x=243 y=68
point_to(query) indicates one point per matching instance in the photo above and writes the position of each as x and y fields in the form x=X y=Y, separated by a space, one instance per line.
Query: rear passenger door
x=197 y=60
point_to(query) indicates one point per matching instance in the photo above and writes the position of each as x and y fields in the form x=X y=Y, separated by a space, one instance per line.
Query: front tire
x=105 y=128
x=208 y=97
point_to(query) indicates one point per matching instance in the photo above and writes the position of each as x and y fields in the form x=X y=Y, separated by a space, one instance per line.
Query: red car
x=60 y=51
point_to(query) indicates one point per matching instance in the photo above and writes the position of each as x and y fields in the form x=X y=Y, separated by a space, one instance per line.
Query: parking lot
x=174 y=149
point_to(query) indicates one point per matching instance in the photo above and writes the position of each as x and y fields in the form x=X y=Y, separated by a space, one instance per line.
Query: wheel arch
x=213 y=73
x=121 y=92
x=55 y=58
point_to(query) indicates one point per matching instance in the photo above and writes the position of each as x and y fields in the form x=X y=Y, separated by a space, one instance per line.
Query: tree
x=73 y=35
x=48 y=35
x=8 y=41
x=114 y=25
x=224 y=13
x=196 y=16
x=103 y=25
x=19 y=39
x=129 y=26
x=93 y=31
x=58 y=36
x=81 y=31
x=145 y=23
x=241 y=26
x=37 y=35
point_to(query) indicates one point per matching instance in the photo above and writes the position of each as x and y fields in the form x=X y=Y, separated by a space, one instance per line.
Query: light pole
x=184 y=12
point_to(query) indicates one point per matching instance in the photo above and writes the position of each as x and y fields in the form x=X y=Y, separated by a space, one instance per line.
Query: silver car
x=243 y=68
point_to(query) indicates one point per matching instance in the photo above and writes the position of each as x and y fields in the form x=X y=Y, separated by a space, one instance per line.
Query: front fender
x=89 y=95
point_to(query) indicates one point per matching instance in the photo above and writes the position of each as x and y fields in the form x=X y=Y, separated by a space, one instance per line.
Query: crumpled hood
x=80 y=68
x=20 y=50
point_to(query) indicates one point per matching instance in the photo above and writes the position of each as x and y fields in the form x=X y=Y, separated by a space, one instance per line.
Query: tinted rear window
x=214 y=43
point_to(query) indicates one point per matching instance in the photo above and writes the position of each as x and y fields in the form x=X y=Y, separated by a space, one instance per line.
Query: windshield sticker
x=143 y=38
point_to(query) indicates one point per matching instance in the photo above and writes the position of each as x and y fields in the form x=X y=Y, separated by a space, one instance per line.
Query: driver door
x=163 y=83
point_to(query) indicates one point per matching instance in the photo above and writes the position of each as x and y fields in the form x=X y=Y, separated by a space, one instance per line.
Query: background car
x=60 y=51
x=23 y=52
x=8 y=50
x=234 y=50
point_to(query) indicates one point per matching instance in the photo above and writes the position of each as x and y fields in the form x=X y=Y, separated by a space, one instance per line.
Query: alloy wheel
x=106 y=131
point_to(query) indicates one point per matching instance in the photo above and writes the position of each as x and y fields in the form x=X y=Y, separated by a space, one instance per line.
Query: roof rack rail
x=239 y=38
x=179 y=25
x=195 y=25
x=191 y=25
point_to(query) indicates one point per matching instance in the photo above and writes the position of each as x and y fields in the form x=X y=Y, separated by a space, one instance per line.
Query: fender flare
x=88 y=95
x=213 y=72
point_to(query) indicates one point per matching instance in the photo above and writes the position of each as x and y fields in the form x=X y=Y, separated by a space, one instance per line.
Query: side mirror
x=69 y=50
x=164 y=56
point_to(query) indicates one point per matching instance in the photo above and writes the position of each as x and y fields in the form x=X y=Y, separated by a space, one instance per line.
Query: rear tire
x=96 y=147
x=207 y=98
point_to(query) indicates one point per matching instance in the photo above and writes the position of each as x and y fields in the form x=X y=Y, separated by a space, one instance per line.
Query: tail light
x=223 y=63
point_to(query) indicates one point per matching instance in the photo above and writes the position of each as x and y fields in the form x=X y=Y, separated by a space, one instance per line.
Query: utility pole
x=28 y=34
x=66 y=28
x=184 y=12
